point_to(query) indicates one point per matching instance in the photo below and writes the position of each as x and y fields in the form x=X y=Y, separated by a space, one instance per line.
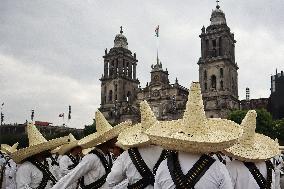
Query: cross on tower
x=218 y=6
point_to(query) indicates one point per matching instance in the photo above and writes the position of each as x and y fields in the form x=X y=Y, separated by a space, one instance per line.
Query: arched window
x=221 y=73
x=110 y=96
x=205 y=86
x=105 y=99
x=221 y=85
x=128 y=97
x=115 y=87
x=213 y=82
x=205 y=75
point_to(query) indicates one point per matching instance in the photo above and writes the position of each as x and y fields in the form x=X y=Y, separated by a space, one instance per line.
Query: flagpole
x=157 y=42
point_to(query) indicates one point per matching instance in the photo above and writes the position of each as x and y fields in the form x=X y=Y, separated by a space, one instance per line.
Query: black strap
x=189 y=180
x=100 y=182
x=258 y=177
x=46 y=174
x=148 y=178
x=75 y=161
x=54 y=160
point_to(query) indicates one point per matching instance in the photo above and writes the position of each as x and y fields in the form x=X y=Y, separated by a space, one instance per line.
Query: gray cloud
x=51 y=51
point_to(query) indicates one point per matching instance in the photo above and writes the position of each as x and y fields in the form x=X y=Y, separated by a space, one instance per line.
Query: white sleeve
x=63 y=166
x=232 y=172
x=157 y=184
x=118 y=171
x=226 y=182
x=88 y=163
x=23 y=177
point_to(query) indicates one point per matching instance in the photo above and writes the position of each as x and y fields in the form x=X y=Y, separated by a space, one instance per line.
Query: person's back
x=243 y=178
x=216 y=177
x=124 y=168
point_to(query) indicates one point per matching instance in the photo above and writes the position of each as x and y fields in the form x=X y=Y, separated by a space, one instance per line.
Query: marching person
x=10 y=167
x=252 y=167
x=34 y=170
x=139 y=163
x=71 y=156
x=96 y=165
x=192 y=138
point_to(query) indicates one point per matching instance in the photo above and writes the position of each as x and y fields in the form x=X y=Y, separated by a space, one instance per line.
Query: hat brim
x=216 y=135
x=24 y=153
x=96 y=139
x=67 y=147
x=134 y=137
x=7 y=149
x=260 y=148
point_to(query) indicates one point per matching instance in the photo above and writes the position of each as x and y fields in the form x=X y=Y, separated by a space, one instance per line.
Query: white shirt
x=54 y=169
x=216 y=177
x=90 y=167
x=123 y=168
x=64 y=162
x=9 y=180
x=242 y=178
x=29 y=176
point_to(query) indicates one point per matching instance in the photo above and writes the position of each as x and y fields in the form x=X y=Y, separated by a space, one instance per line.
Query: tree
x=264 y=121
x=89 y=129
x=279 y=126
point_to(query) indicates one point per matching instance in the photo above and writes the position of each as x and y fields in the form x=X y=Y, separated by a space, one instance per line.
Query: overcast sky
x=51 y=51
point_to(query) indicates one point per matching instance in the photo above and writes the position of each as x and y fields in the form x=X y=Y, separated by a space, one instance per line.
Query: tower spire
x=121 y=31
x=217 y=6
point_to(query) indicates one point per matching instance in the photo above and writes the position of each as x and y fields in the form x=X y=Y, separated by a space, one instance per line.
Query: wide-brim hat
x=105 y=132
x=194 y=132
x=135 y=136
x=252 y=146
x=5 y=148
x=37 y=144
x=69 y=146
x=118 y=144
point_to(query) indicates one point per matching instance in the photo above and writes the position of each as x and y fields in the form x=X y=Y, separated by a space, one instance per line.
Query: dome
x=120 y=40
x=218 y=16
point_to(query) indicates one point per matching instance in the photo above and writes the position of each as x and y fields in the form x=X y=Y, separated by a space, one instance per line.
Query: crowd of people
x=192 y=152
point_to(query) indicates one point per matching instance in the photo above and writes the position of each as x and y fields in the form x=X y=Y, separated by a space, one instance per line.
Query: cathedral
x=121 y=92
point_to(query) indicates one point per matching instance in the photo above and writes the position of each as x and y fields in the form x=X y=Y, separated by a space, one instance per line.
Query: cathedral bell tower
x=218 y=71
x=119 y=84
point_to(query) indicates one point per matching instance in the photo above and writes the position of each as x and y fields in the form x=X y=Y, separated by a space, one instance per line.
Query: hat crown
x=249 y=125
x=194 y=115
x=102 y=125
x=34 y=136
x=147 y=116
x=71 y=137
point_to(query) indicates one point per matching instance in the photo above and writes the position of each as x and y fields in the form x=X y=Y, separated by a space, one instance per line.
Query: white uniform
x=123 y=168
x=64 y=163
x=216 y=177
x=242 y=178
x=9 y=180
x=90 y=167
x=29 y=176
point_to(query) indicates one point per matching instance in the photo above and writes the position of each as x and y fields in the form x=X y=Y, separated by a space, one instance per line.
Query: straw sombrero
x=194 y=132
x=105 y=132
x=87 y=150
x=9 y=149
x=135 y=136
x=37 y=144
x=118 y=144
x=67 y=147
x=253 y=147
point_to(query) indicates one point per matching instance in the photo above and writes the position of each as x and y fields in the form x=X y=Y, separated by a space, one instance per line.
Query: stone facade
x=252 y=104
x=166 y=100
x=218 y=77
x=119 y=84
x=120 y=94
x=276 y=99
x=218 y=71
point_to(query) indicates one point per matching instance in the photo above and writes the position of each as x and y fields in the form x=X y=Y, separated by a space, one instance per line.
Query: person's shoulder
x=25 y=165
